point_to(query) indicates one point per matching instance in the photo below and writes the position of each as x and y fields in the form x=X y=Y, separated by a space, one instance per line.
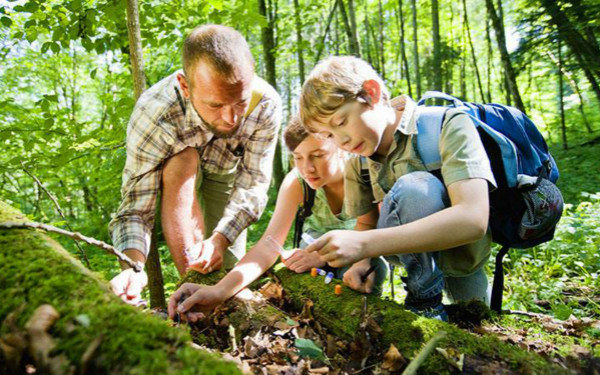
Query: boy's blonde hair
x=332 y=83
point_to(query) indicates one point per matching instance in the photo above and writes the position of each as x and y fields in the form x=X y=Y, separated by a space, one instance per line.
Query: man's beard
x=224 y=134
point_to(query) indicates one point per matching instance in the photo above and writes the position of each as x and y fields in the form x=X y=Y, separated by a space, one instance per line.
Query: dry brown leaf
x=272 y=291
x=393 y=359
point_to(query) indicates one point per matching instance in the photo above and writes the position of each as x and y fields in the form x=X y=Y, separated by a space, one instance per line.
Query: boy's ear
x=372 y=91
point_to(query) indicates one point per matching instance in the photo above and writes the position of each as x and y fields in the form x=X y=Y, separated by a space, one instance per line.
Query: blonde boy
x=437 y=230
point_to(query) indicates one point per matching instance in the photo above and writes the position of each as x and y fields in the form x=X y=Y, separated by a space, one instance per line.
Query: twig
x=76 y=236
x=60 y=212
x=528 y=314
x=414 y=365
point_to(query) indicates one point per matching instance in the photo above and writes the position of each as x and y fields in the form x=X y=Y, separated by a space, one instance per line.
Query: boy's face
x=358 y=126
x=318 y=162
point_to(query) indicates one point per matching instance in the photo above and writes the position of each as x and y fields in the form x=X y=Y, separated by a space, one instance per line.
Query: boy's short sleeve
x=358 y=194
x=462 y=152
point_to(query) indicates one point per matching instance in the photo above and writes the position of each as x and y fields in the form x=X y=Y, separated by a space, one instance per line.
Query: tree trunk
x=367 y=46
x=135 y=48
x=403 y=49
x=505 y=57
x=353 y=29
x=352 y=41
x=381 y=44
x=117 y=338
x=299 y=40
x=324 y=37
x=563 y=126
x=413 y=7
x=575 y=88
x=490 y=56
x=437 y=56
x=268 y=42
x=477 y=75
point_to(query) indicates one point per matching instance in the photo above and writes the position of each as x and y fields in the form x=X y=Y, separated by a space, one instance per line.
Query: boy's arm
x=464 y=222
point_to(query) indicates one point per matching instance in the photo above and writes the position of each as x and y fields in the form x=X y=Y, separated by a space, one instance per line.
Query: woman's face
x=318 y=161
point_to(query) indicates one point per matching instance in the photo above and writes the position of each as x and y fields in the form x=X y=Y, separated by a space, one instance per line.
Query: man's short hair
x=223 y=47
x=294 y=133
x=333 y=83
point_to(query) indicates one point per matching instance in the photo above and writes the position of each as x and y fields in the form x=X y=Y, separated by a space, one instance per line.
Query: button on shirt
x=162 y=124
x=462 y=155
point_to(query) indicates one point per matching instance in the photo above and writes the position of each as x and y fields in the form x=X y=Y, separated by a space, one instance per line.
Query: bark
x=437 y=56
x=353 y=29
x=490 y=55
x=563 y=126
x=135 y=48
x=299 y=40
x=352 y=41
x=269 y=45
x=89 y=313
x=403 y=49
x=381 y=44
x=505 y=57
x=478 y=76
x=327 y=26
x=413 y=7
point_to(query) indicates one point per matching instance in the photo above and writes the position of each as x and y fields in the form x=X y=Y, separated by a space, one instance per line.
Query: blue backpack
x=526 y=205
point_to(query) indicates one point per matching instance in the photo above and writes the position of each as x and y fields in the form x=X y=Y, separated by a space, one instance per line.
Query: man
x=205 y=138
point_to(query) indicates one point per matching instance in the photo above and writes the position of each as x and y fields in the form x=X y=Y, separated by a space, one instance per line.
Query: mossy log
x=342 y=315
x=96 y=332
x=407 y=331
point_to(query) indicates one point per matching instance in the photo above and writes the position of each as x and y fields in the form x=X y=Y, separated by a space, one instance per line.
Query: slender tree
x=505 y=57
x=135 y=48
x=403 y=48
x=381 y=43
x=563 y=126
x=299 y=40
x=326 y=31
x=269 y=45
x=413 y=7
x=353 y=29
x=437 y=55
x=475 y=65
x=350 y=31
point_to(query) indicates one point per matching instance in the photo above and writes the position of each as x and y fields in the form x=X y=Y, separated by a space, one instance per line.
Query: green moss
x=36 y=271
x=407 y=331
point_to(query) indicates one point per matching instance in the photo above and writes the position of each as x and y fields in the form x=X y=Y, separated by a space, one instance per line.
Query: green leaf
x=93 y=73
x=55 y=48
x=52 y=98
x=562 y=311
x=6 y=21
x=217 y=4
x=307 y=348
x=83 y=319
x=46 y=46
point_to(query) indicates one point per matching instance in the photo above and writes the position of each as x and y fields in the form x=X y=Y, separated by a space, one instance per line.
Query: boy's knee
x=181 y=166
x=416 y=195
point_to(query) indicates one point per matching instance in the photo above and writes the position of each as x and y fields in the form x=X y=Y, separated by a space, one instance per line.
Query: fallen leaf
x=453 y=356
x=393 y=360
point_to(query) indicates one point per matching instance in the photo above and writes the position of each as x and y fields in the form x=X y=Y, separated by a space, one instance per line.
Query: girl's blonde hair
x=331 y=84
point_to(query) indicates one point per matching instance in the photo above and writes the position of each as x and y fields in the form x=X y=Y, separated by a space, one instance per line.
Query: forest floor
x=552 y=292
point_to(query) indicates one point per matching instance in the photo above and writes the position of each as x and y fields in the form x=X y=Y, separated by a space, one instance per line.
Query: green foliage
x=308 y=348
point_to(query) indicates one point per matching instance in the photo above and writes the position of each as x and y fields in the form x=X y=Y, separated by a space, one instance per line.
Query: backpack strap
x=429 y=127
x=304 y=211
x=364 y=170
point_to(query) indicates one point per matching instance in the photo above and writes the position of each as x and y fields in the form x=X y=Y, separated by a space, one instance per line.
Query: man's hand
x=210 y=254
x=128 y=285
x=340 y=247
x=201 y=301
x=301 y=261
x=353 y=277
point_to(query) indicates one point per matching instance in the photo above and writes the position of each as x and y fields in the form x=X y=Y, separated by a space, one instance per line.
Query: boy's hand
x=201 y=301
x=301 y=261
x=353 y=277
x=340 y=247
x=210 y=254
x=128 y=285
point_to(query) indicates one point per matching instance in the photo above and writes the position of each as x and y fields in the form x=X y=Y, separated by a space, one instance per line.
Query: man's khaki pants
x=214 y=192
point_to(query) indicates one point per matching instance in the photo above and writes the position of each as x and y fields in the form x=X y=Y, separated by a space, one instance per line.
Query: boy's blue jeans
x=415 y=196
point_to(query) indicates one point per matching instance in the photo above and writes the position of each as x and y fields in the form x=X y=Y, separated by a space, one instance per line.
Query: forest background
x=66 y=92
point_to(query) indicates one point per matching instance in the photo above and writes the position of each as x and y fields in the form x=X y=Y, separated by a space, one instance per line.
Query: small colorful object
x=338 y=290
x=321 y=272
x=329 y=277
x=313 y=272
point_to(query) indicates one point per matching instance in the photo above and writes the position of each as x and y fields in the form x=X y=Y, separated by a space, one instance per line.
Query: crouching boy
x=437 y=228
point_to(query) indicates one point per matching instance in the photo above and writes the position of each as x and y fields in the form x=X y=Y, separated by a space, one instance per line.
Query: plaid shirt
x=159 y=128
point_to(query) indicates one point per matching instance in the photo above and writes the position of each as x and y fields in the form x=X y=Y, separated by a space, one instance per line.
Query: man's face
x=221 y=104
x=356 y=127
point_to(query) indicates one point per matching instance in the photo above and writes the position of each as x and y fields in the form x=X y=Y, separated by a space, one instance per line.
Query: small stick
x=76 y=236
x=60 y=212
x=363 y=278
x=414 y=365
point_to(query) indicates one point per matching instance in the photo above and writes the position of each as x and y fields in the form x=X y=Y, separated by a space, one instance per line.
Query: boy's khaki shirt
x=463 y=157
